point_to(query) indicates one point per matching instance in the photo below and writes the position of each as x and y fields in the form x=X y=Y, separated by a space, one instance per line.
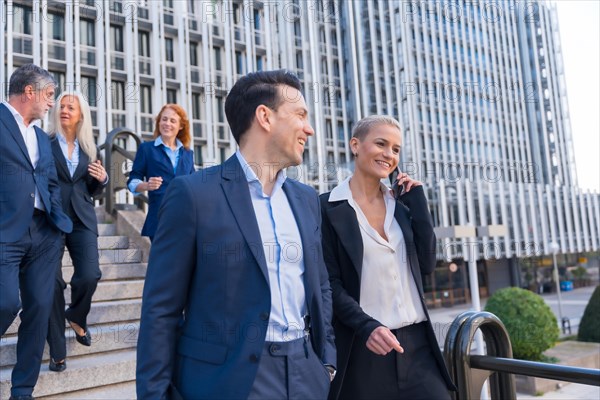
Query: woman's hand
x=154 y=183
x=382 y=341
x=97 y=171
x=407 y=181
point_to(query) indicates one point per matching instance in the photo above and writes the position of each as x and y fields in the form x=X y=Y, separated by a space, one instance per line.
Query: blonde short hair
x=364 y=126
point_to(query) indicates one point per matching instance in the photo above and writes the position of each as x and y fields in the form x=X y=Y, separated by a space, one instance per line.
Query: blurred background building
x=478 y=88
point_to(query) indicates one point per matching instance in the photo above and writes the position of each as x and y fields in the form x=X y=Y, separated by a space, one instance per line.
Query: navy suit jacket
x=151 y=160
x=207 y=262
x=78 y=191
x=19 y=179
x=343 y=250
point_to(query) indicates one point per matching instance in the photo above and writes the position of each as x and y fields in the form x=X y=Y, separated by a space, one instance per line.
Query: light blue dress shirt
x=72 y=162
x=284 y=256
x=173 y=157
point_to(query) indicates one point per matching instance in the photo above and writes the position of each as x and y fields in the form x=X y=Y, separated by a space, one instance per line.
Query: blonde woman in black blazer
x=377 y=246
x=81 y=176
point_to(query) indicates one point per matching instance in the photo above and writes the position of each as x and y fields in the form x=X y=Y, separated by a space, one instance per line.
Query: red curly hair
x=184 y=132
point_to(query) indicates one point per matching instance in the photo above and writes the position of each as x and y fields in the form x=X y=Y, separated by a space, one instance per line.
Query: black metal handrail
x=117 y=173
x=585 y=376
x=470 y=372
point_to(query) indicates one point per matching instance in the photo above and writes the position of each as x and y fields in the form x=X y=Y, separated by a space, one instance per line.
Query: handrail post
x=109 y=147
x=457 y=354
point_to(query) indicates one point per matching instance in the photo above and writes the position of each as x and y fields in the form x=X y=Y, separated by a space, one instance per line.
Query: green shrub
x=589 y=328
x=530 y=323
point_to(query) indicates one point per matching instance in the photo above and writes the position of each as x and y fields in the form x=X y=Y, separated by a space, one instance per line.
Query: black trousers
x=290 y=370
x=414 y=374
x=83 y=249
x=28 y=266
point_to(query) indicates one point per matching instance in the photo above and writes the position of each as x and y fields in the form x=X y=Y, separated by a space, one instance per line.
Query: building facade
x=478 y=88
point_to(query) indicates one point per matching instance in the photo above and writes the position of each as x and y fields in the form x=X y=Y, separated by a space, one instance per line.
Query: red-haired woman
x=158 y=162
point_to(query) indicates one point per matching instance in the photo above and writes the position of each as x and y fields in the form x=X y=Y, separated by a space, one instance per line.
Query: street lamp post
x=554 y=248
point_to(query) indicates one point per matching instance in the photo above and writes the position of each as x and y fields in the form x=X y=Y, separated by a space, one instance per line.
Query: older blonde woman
x=81 y=176
x=377 y=244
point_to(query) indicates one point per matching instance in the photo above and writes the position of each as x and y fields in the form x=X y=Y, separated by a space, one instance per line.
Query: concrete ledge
x=130 y=223
x=569 y=353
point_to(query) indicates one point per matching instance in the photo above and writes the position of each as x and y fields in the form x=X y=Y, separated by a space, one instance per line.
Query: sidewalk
x=573 y=304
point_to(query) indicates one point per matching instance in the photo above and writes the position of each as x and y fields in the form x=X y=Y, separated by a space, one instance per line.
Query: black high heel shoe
x=85 y=339
x=57 y=366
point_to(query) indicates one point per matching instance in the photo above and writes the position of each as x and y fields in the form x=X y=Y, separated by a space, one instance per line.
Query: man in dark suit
x=237 y=302
x=31 y=220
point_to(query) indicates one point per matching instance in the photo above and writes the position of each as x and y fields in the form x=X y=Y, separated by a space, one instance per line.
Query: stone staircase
x=107 y=368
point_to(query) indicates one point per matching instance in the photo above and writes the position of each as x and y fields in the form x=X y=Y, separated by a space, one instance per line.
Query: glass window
x=217 y=58
x=87 y=33
x=116 y=37
x=118 y=95
x=56 y=26
x=171 y=96
x=169 y=49
x=89 y=89
x=144 y=44
x=259 y=63
x=145 y=99
x=198 y=154
x=257 y=19
x=239 y=62
x=194 y=53
x=196 y=106
x=22 y=19
x=59 y=77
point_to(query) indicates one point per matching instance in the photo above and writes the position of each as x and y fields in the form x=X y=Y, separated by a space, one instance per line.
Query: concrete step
x=103 y=312
x=111 y=272
x=121 y=391
x=114 y=290
x=107 y=229
x=111 y=256
x=81 y=373
x=113 y=242
x=105 y=337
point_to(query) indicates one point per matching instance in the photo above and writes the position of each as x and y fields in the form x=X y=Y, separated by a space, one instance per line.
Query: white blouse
x=388 y=291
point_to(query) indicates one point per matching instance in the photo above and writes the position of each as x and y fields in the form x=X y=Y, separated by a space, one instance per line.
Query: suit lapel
x=403 y=218
x=13 y=128
x=59 y=160
x=344 y=222
x=81 y=169
x=237 y=193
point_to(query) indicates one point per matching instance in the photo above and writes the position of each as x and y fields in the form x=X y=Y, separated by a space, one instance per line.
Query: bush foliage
x=589 y=328
x=530 y=322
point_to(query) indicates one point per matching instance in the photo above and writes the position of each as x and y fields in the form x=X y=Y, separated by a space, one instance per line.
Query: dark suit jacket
x=19 y=179
x=77 y=192
x=207 y=260
x=343 y=252
x=151 y=160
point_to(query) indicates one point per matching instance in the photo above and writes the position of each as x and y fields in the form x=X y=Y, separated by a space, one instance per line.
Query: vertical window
x=198 y=154
x=169 y=49
x=87 y=32
x=56 y=26
x=22 y=19
x=117 y=95
x=116 y=37
x=144 y=44
x=257 y=19
x=171 y=96
x=217 y=58
x=259 y=63
x=196 y=105
x=194 y=53
x=145 y=99
x=89 y=89
x=59 y=77
x=239 y=62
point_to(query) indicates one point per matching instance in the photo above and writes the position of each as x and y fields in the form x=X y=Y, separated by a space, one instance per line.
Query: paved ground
x=573 y=304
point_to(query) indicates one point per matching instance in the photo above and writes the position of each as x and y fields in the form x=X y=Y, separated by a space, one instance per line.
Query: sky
x=579 y=22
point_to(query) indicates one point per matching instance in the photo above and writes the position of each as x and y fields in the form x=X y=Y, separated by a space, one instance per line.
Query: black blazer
x=343 y=253
x=77 y=192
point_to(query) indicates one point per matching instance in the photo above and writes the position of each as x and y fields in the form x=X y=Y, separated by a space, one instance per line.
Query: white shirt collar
x=19 y=117
x=342 y=191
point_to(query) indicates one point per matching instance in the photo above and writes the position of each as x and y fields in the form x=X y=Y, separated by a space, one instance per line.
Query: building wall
x=478 y=88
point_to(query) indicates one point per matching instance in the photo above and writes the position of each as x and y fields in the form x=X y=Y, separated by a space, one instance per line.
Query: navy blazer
x=343 y=251
x=151 y=160
x=79 y=190
x=19 y=179
x=207 y=262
